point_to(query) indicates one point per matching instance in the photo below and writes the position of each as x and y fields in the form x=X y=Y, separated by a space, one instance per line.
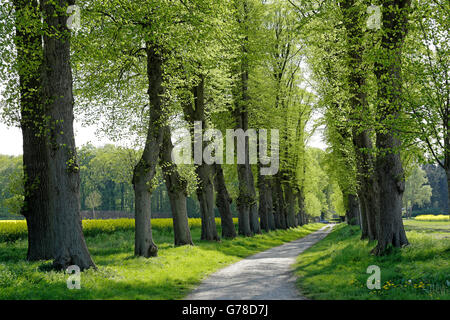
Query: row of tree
x=381 y=73
x=103 y=187
x=143 y=69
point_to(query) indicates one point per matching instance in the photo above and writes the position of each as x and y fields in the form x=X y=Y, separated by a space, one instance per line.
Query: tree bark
x=205 y=195
x=145 y=169
x=368 y=187
x=363 y=217
x=290 y=210
x=301 y=207
x=269 y=203
x=176 y=190
x=205 y=188
x=223 y=203
x=353 y=212
x=28 y=42
x=63 y=170
x=263 y=209
x=389 y=170
x=280 y=205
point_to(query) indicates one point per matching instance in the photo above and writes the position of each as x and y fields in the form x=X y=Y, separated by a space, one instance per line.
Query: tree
x=44 y=101
x=94 y=200
x=417 y=190
x=388 y=168
x=63 y=169
x=427 y=81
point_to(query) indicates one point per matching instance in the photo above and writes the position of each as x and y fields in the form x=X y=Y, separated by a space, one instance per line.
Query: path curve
x=264 y=276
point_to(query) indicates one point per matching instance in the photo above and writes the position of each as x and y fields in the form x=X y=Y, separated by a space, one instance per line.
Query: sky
x=11 y=139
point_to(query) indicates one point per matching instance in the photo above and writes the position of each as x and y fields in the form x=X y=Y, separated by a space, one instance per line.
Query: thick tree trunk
x=280 y=217
x=246 y=202
x=29 y=61
x=243 y=203
x=290 y=210
x=353 y=212
x=205 y=195
x=246 y=199
x=391 y=181
x=255 y=225
x=223 y=203
x=176 y=190
x=368 y=188
x=389 y=170
x=63 y=170
x=205 y=189
x=263 y=201
x=301 y=207
x=146 y=167
x=269 y=203
x=363 y=217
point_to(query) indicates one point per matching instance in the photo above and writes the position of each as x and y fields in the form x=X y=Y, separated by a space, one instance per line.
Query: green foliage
x=335 y=268
x=11 y=185
x=417 y=190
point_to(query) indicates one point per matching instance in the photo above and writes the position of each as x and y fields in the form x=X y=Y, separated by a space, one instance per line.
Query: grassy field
x=437 y=230
x=120 y=275
x=335 y=268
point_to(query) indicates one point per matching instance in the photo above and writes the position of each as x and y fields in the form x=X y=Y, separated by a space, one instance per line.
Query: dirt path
x=264 y=276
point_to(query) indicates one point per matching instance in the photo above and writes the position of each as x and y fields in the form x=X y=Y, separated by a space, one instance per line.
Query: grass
x=120 y=275
x=436 y=229
x=336 y=267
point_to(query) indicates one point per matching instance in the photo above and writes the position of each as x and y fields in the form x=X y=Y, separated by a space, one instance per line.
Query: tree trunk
x=29 y=61
x=255 y=225
x=205 y=195
x=63 y=170
x=280 y=218
x=263 y=203
x=205 y=188
x=301 y=207
x=353 y=210
x=122 y=196
x=245 y=200
x=176 y=190
x=223 y=203
x=269 y=203
x=145 y=169
x=389 y=170
x=391 y=181
x=290 y=210
x=243 y=203
x=361 y=136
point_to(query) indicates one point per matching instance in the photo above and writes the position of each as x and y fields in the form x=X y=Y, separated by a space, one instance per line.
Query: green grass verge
x=120 y=275
x=335 y=268
x=436 y=229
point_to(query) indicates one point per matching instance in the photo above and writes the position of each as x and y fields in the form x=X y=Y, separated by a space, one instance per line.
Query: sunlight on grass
x=335 y=268
x=120 y=275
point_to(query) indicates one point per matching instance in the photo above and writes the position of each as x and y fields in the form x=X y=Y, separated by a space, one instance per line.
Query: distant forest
x=106 y=175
